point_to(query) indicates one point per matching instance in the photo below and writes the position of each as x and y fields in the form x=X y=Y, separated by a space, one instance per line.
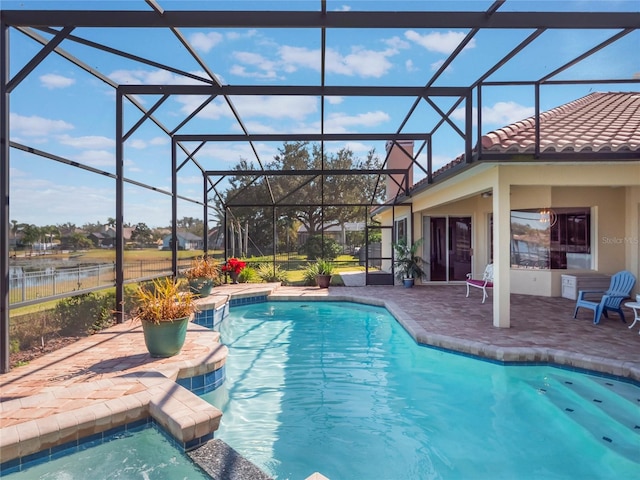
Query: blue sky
x=63 y=110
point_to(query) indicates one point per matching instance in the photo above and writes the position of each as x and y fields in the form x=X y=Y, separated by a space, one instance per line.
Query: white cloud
x=334 y=100
x=436 y=65
x=266 y=68
x=205 y=41
x=343 y=8
x=225 y=155
x=342 y=123
x=159 y=141
x=502 y=113
x=136 y=143
x=35 y=126
x=61 y=201
x=410 y=66
x=355 y=147
x=154 y=77
x=258 y=127
x=52 y=81
x=360 y=62
x=214 y=110
x=96 y=158
x=295 y=107
x=190 y=180
x=294 y=57
x=89 y=141
x=397 y=42
x=439 y=42
x=237 y=35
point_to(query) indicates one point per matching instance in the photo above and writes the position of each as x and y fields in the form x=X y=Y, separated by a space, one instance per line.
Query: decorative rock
x=222 y=462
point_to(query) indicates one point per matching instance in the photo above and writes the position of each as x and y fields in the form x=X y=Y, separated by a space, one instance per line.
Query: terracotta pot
x=323 y=281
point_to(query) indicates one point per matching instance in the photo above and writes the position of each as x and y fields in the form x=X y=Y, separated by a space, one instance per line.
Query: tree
x=142 y=234
x=300 y=197
x=77 y=241
x=191 y=225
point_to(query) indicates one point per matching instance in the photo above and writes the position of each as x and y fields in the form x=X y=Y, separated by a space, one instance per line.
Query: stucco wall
x=611 y=191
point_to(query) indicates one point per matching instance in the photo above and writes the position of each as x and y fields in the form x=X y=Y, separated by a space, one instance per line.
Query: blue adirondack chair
x=619 y=289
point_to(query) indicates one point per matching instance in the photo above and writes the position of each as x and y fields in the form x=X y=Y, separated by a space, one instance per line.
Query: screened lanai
x=262 y=118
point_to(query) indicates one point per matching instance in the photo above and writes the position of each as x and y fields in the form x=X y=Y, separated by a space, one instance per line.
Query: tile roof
x=598 y=122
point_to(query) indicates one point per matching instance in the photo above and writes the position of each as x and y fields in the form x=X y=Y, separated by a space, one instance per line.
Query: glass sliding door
x=449 y=247
x=459 y=248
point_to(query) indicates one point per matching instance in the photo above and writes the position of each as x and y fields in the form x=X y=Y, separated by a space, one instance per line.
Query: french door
x=448 y=248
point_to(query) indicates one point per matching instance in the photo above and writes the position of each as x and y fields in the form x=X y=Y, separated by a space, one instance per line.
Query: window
x=551 y=238
x=400 y=230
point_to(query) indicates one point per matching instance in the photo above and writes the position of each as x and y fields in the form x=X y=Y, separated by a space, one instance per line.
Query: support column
x=120 y=315
x=501 y=253
x=4 y=193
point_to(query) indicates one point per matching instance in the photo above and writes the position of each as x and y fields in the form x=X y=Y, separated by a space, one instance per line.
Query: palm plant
x=408 y=264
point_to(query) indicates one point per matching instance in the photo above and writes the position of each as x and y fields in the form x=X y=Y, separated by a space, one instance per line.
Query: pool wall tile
x=239 y=301
x=205 y=383
x=211 y=318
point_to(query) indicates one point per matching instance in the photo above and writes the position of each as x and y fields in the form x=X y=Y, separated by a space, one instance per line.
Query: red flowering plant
x=234 y=266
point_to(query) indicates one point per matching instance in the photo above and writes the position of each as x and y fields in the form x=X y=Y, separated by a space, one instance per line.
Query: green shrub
x=84 y=314
x=249 y=275
x=267 y=273
x=321 y=247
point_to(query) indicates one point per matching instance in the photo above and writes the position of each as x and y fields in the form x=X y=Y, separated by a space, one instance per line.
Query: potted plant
x=320 y=271
x=408 y=263
x=165 y=311
x=233 y=267
x=203 y=275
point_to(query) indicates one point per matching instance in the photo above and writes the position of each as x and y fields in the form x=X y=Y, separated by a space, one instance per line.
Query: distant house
x=101 y=239
x=107 y=237
x=216 y=238
x=186 y=241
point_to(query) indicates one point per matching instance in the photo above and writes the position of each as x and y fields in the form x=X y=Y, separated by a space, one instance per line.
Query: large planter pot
x=234 y=277
x=165 y=339
x=323 y=281
x=201 y=286
x=408 y=282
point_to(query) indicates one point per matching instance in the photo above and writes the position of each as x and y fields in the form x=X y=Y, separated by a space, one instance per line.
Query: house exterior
x=536 y=215
x=186 y=241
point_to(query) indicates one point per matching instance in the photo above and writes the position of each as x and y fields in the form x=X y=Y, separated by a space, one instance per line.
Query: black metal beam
x=295 y=90
x=305 y=173
x=317 y=19
x=300 y=137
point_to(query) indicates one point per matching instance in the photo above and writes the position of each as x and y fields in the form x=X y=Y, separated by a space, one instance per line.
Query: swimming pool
x=342 y=389
x=143 y=454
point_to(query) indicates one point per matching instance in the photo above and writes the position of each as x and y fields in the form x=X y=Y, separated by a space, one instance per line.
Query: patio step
x=608 y=411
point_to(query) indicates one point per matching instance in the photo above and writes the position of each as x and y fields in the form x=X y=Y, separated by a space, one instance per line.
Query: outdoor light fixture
x=548 y=216
x=486 y=194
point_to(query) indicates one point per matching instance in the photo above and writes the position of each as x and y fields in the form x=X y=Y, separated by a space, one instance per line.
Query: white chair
x=484 y=283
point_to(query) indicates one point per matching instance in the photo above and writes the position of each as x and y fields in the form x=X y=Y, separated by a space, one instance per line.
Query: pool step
x=608 y=411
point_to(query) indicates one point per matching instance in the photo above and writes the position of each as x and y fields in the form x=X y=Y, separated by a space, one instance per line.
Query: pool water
x=342 y=389
x=142 y=455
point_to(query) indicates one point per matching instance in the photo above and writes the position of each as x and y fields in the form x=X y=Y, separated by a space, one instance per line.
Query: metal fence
x=28 y=287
